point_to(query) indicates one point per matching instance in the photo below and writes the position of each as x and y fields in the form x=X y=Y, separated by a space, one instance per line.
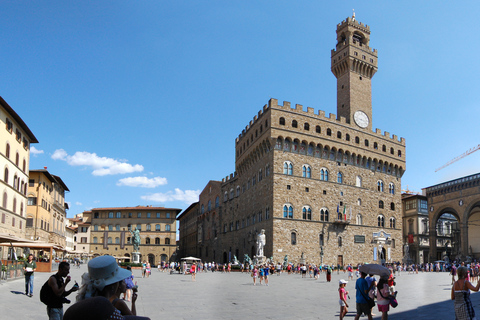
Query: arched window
x=317 y=129
x=217 y=202
x=147 y=240
x=24 y=167
x=7 y=151
x=392 y=206
x=324 y=174
x=392 y=223
x=167 y=240
x=4 y=200
x=359 y=201
x=157 y=240
x=149 y=227
x=366 y=143
x=5 y=176
x=380 y=204
x=392 y=151
x=307 y=213
x=306 y=126
x=14 y=205
x=293 y=237
x=288 y=168
x=95 y=239
x=329 y=132
x=157 y=227
x=380 y=185
x=282 y=121
x=202 y=209
x=323 y=215
x=384 y=148
x=306 y=171
x=347 y=137
x=339 y=134
x=321 y=240
x=381 y=221
x=391 y=188
x=17 y=159
x=375 y=145
x=167 y=227
x=209 y=205
x=109 y=240
x=225 y=196
x=339 y=177
x=294 y=124
x=357 y=140
x=238 y=191
x=110 y=227
x=339 y=241
x=117 y=240
x=359 y=219
x=285 y=211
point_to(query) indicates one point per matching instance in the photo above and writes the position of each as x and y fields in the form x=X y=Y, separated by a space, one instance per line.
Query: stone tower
x=354 y=64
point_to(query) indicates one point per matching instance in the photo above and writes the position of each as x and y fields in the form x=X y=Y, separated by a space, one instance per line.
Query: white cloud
x=78 y=203
x=142 y=182
x=34 y=151
x=102 y=165
x=187 y=196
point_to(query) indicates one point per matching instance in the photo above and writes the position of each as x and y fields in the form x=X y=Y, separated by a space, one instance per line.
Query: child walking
x=343 y=298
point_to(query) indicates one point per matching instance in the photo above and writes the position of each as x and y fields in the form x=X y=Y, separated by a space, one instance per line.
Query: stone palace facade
x=325 y=186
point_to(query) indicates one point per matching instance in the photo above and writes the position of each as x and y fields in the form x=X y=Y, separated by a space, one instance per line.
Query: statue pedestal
x=136 y=257
x=260 y=260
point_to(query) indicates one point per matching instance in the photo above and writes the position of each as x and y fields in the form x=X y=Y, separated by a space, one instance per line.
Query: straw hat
x=104 y=270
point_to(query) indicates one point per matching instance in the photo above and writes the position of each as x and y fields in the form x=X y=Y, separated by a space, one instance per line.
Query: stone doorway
x=340 y=260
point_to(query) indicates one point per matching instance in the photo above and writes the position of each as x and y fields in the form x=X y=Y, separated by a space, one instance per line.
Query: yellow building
x=46 y=210
x=110 y=232
x=15 y=159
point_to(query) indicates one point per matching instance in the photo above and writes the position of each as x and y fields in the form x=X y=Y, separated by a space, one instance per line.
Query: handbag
x=393 y=301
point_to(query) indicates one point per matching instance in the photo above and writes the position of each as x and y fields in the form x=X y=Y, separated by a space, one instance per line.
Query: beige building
x=327 y=187
x=47 y=209
x=110 y=232
x=15 y=159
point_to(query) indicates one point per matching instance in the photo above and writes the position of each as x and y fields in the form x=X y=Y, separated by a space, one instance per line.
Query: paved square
x=233 y=296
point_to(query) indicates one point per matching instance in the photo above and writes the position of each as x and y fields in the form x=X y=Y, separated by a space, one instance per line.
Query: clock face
x=361 y=119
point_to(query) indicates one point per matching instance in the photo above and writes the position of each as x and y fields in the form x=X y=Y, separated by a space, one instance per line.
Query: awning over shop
x=35 y=245
x=6 y=237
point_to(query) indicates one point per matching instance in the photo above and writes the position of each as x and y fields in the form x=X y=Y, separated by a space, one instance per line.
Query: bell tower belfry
x=354 y=63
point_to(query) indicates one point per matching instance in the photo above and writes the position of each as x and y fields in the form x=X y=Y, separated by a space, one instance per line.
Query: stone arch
x=433 y=219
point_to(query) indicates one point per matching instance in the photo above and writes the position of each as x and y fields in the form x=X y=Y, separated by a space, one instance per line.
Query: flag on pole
x=344 y=212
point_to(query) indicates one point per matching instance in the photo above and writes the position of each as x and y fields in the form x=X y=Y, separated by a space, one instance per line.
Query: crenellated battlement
x=273 y=103
x=232 y=176
x=320 y=115
x=353 y=22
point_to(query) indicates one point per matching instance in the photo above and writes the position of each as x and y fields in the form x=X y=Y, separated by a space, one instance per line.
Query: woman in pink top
x=255 y=275
x=383 y=302
x=343 y=298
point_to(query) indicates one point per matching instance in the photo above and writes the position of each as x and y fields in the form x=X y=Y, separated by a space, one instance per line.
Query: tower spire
x=354 y=63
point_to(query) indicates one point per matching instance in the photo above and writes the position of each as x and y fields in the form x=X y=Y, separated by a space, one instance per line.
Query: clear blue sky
x=140 y=102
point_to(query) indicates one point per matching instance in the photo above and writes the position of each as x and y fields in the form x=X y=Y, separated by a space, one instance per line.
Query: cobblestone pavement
x=233 y=296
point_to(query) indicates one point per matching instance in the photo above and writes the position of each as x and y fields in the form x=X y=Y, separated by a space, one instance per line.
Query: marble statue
x=261 y=243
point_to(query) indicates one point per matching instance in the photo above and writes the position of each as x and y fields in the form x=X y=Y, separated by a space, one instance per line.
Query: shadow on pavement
x=18 y=292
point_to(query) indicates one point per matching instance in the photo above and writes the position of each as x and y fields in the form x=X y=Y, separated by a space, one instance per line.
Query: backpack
x=46 y=294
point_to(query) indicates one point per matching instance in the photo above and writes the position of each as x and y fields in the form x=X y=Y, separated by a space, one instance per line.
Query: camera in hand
x=65 y=300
